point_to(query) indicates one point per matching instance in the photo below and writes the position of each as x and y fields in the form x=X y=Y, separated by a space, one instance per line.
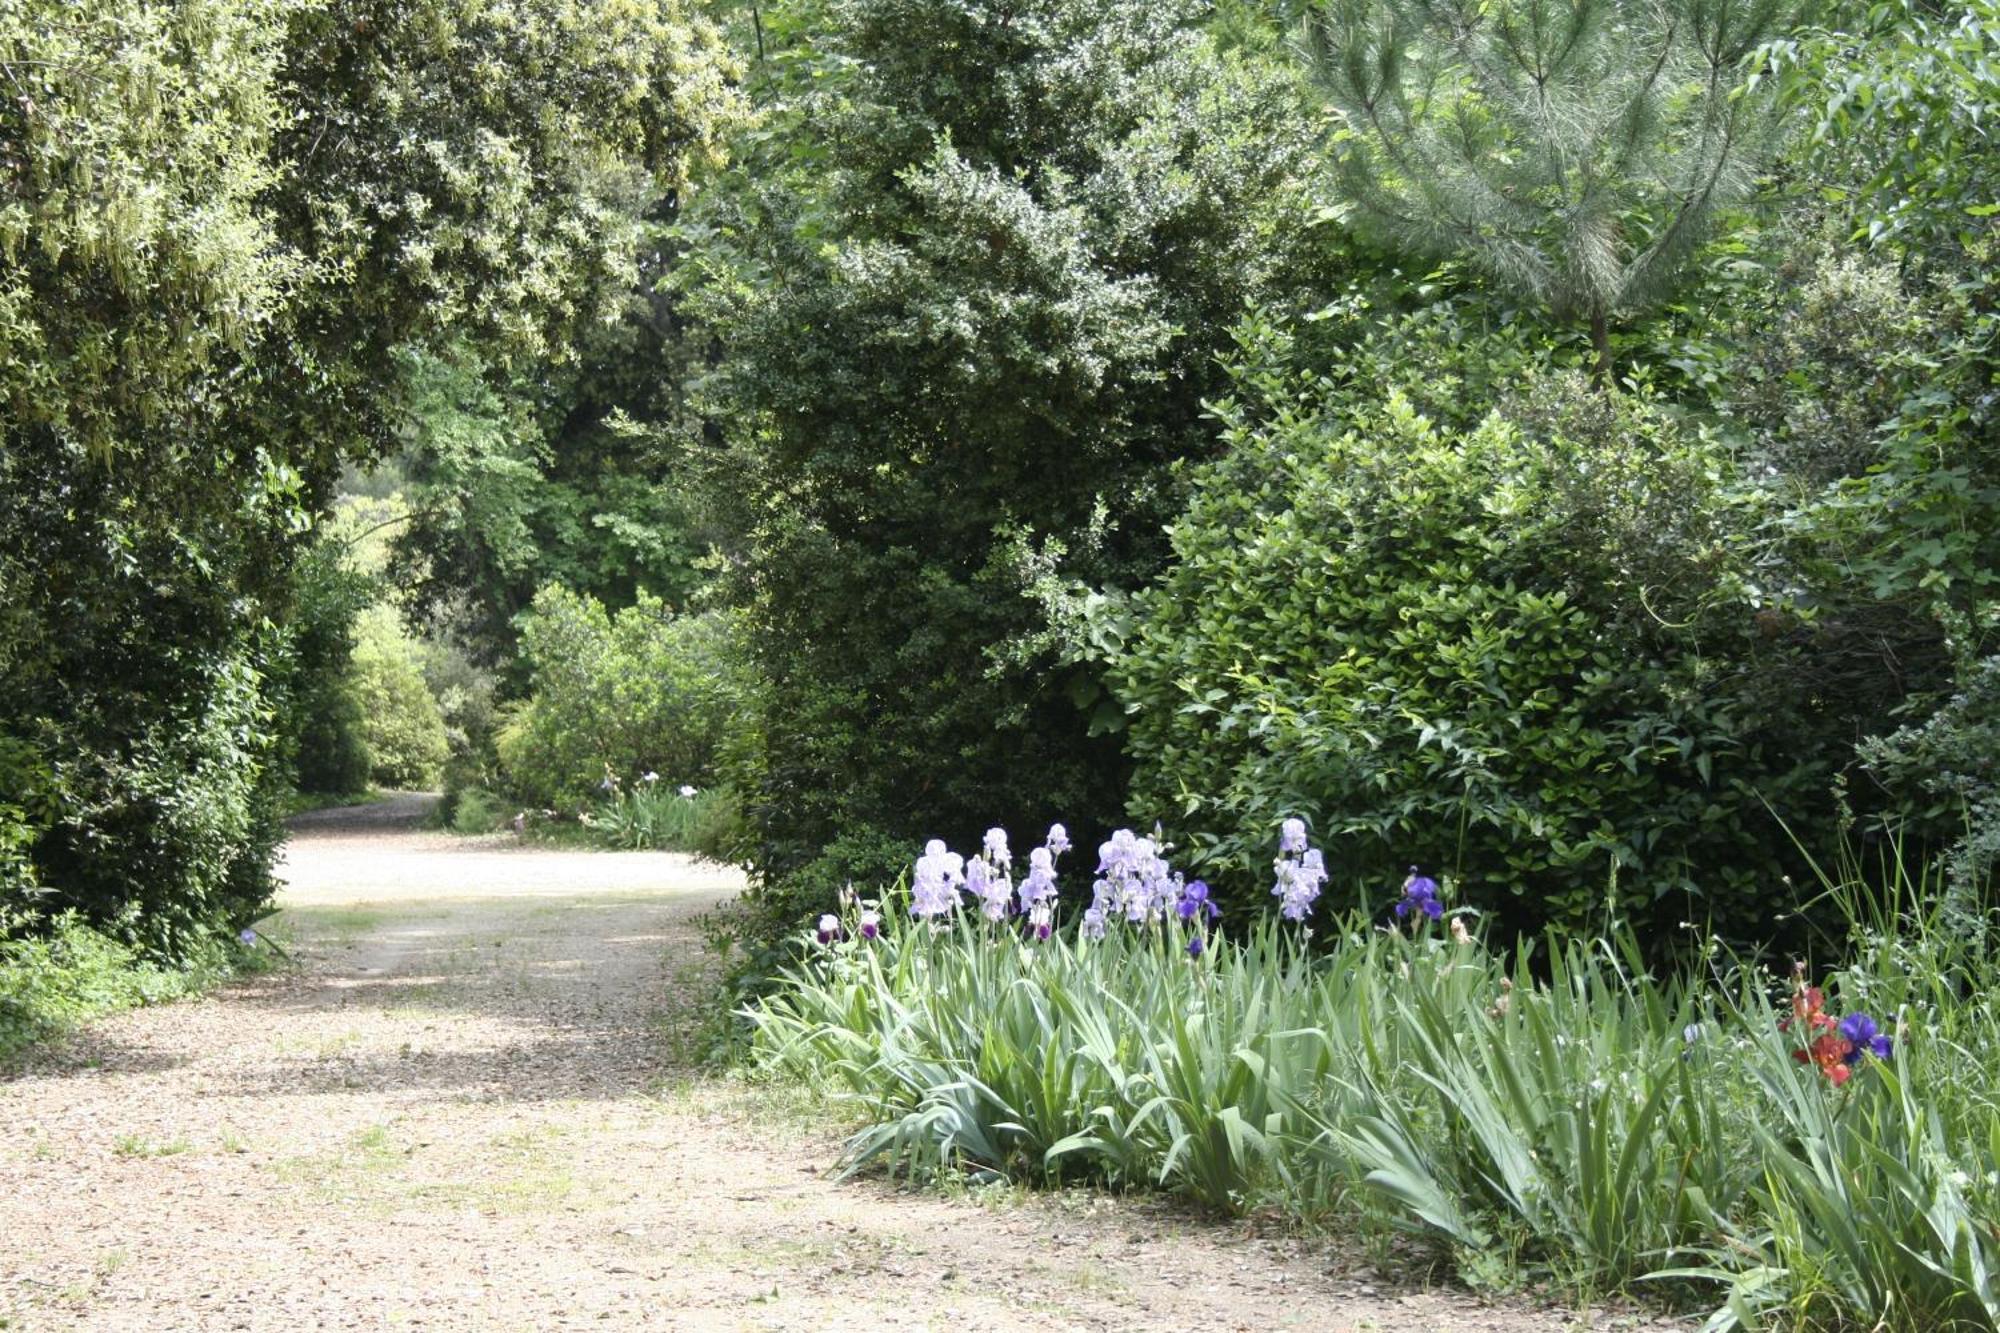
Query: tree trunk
x=1600 y=338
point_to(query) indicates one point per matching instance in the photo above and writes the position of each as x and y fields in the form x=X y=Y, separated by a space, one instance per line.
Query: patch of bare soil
x=465 y=1109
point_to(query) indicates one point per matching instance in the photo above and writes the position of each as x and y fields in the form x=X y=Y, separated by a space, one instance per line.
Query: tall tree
x=139 y=538
x=970 y=296
x=1576 y=151
x=224 y=223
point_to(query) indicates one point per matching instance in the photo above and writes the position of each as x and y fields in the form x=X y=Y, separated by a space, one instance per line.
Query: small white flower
x=650 y=778
x=687 y=791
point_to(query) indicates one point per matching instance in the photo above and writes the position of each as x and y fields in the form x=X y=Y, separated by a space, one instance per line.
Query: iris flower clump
x=1300 y=871
x=942 y=875
x=1834 y=1046
x=1134 y=881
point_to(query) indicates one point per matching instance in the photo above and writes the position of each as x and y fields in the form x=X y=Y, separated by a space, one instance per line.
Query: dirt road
x=468 y=1108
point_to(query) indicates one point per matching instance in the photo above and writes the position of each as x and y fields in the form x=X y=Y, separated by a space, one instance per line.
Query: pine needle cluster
x=1576 y=151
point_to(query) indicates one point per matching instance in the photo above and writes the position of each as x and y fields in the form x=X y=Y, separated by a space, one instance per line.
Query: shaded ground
x=465 y=1110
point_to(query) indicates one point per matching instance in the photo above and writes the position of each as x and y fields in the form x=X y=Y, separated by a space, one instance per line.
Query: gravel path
x=466 y=1109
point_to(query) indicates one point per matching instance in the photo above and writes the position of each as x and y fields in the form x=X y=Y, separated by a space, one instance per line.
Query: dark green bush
x=1528 y=652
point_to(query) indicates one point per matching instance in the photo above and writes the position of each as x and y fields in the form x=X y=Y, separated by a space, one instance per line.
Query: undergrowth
x=1720 y=1137
x=63 y=973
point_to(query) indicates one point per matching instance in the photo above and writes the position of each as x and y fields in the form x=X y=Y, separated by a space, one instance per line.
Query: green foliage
x=405 y=731
x=54 y=978
x=1954 y=755
x=140 y=535
x=473 y=171
x=1557 y=1115
x=1888 y=363
x=653 y=816
x=969 y=295
x=1901 y=105
x=138 y=155
x=1576 y=151
x=224 y=219
x=616 y=697
x=320 y=711
x=468 y=701
x=574 y=476
x=1527 y=649
x=473 y=810
x=860 y=855
x=490 y=185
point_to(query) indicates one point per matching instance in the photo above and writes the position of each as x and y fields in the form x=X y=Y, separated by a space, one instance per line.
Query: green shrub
x=407 y=745
x=57 y=974
x=1530 y=651
x=473 y=810
x=615 y=697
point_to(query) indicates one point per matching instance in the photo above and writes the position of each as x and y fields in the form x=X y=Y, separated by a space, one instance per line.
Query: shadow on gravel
x=522 y=998
x=395 y=812
x=575 y=1067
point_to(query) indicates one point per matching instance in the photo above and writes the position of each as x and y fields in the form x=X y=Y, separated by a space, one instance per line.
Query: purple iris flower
x=1039 y=884
x=1420 y=894
x=935 y=885
x=1864 y=1037
x=1194 y=946
x=1195 y=901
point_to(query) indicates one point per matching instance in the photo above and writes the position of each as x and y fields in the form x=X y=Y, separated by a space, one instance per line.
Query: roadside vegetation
x=1548 y=448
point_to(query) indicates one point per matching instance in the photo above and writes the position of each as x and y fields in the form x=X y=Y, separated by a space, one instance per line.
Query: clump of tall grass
x=1558 y=1111
x=652 y=816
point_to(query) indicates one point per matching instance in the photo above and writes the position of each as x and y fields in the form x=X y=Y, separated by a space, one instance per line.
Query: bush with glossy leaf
x=1529 y=647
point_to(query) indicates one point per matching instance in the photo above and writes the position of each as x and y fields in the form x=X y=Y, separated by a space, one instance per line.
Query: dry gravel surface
x=466 y=1107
